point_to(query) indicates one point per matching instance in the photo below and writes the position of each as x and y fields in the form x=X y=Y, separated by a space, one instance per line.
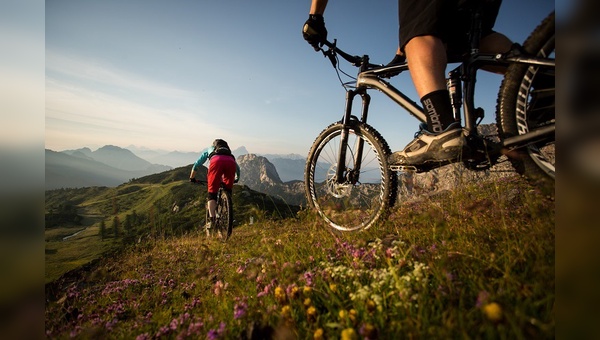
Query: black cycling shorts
x=448 y=20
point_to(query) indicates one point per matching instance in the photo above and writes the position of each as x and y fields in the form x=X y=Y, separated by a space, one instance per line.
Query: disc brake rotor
x=334 y=188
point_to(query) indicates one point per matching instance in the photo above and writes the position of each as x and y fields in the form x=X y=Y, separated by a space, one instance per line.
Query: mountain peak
x=257 y=170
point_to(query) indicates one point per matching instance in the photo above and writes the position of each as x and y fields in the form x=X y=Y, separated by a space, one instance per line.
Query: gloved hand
x=192 y=179
x=314 y=31
x=236 y=180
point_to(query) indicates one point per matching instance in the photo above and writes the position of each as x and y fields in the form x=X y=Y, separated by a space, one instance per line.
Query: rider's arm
x=318 y=7
x=200 y=161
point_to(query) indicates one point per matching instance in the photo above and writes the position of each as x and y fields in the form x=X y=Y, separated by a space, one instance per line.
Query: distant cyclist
x=222 y=168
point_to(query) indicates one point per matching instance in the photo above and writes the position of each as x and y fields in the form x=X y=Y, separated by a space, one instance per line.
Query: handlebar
x=198 y=181
x=205 y=182
x=362 y=62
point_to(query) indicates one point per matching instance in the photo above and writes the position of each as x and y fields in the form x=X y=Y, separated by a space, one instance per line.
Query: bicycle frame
x=464 y=76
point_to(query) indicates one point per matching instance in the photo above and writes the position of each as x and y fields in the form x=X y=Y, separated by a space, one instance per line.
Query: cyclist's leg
x=229 y=168
x=423 y=25
x=422 y=36
x=213 y=183
x=495 y=43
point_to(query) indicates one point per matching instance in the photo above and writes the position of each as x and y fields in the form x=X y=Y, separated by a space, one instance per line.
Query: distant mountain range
x=78 y=169
x=111 y=165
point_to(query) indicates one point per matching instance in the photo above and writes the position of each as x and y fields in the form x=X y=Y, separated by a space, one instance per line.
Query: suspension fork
x=342 y=175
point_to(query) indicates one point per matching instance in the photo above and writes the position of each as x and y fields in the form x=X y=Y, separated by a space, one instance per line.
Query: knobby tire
x=527 y=100
x=350 y=206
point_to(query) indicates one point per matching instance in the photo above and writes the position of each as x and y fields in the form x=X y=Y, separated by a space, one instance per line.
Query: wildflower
x=308 y=276
x=307 y=290
x=371 y=306
x=219 y=288
x=318 y=335
x=307 y=302
x=214 y=334
x=493 y=311
x=286 y=311
x=333 y=287
x=353 y=315
x=144 y=336
x=110 y=324
x=342 y=314
x=482 y=298
x=174 y=324
x=311 y=313
x=239 y=310
x=368 y=331
x=349 y=334
x=293 y=291
x=280 y=295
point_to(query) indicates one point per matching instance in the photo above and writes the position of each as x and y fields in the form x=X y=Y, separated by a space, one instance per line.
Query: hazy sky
x=174 y=75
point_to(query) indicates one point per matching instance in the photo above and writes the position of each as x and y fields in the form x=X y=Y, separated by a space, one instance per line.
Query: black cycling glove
x=314 y=31
x=192 y=179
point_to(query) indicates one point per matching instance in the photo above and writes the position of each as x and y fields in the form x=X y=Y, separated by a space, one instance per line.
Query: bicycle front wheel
x=224 y=218
x=364 y=196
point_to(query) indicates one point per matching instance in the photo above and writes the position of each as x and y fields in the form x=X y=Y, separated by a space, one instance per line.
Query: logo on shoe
x=436 y=125
x=416 y=146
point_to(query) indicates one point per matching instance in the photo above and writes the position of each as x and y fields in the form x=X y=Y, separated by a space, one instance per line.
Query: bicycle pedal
x=403 y=168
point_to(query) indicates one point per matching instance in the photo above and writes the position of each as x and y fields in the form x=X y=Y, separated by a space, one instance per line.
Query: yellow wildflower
x=349 y=334
x=294 y=292
x=343 y=314
x=311 y=312
x=369 y=331
x=353 y=315
x=371 y=306
x=307 y=290
x=318 y=335
x=307 y=302
x=286 y=311
x=493 y=311
x=280 y=294
x=333 y=287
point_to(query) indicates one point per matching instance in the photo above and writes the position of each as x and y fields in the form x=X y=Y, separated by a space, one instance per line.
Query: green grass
x=477 y=262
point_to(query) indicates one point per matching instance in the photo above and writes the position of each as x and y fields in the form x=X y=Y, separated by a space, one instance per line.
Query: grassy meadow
x=476 y=262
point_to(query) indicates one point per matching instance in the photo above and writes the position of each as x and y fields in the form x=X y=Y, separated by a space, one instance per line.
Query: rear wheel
x=526 y=102
x=224 y=219
x=364 y=196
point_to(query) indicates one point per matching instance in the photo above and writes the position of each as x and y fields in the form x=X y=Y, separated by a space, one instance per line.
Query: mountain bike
x=348 y=178
x=223 y=224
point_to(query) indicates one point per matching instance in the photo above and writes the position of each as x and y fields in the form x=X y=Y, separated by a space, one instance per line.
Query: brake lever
x=330 y=53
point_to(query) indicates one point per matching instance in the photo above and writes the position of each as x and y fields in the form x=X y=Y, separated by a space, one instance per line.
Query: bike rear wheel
x=526 y=102
x=364 y=197
x=223 y=223
x=224 y=218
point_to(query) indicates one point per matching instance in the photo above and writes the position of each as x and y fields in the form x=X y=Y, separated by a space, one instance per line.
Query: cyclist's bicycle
x=223 y=223
x=348 y=178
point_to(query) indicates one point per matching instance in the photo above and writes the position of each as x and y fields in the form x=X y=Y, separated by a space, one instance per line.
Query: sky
x=174 y=75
